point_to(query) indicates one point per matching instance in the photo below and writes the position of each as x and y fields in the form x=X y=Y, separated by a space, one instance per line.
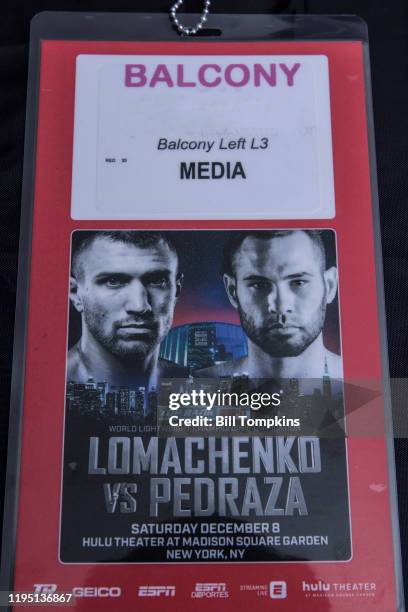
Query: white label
x=202 y=137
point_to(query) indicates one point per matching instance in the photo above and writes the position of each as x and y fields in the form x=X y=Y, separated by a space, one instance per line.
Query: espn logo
x=278 y=589
x=213 y=590
x=157 y=591
x=45 y=588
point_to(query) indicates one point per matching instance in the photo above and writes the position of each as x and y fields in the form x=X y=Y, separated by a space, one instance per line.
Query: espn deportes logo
x=278 y=589
x=210 y=590
x=156 y=591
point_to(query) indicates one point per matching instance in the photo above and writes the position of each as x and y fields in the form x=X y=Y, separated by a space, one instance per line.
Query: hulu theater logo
x=278 y=590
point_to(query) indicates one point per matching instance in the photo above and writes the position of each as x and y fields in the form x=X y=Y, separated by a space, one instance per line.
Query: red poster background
x=42 y=443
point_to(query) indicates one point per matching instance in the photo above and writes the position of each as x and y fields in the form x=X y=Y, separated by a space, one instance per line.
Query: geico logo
x=96 y=591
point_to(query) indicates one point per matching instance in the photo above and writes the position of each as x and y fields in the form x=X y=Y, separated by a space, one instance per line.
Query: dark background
x=388 y=31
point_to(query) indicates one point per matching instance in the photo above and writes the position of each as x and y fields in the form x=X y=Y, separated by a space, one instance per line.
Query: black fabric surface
x=388 y=30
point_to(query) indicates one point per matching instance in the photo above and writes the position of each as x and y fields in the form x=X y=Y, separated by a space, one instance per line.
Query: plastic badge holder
x=254 y=139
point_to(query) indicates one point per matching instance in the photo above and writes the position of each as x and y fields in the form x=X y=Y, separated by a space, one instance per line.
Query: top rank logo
x=45 y=588
x=157 y=591
x=213 y=590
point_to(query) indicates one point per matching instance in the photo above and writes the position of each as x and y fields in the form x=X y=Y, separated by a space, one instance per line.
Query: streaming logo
x=278 y=590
